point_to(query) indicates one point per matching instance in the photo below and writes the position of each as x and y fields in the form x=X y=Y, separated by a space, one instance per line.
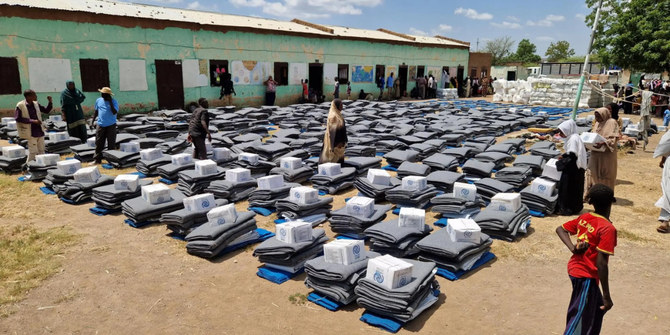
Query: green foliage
x=558 y=51
x=499 y=48
x=525 y=52
x=298 y=299
x=633 y=34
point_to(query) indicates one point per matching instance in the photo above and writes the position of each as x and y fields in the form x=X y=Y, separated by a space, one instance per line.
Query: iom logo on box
x=72 y=169
x=542 y=188
x=221 y=221
x=379 y=277
x=297 y=195
x=205 y=204
x=403 y=281
x=502 y=208
x=357 y=251
x=124 y=184
x=467 y=233
x=465 y=192
x=282 y=232
x=357 y=209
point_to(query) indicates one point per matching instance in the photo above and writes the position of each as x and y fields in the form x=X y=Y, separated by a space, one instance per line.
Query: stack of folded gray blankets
x=453 y=256
x=406 y=302
x=173 y=147
x=411 y=198
x=61 y=146
x=451 y=206
x=360 y=151
x=121 y=159
x=76 y=192
x=12 y=165
x=268 y=198
x=299 y=175
x=336 y=183
x=290 y=257
x=444 y=180
x=387 y=146
x=36 y=171
x=388 y=238
x=539 y=202
x=336 y=281
x=83 y=152
x=171 y=171
x=374 y=191
x=397 y=157
x=536 y=163
x=489 y=187
x=495 y=157
x=503 y=225
x=183 y=221
x=462 y=154
x=209 y=240
x=108 y=197
x=474 y=168
x=56 y=178
x=545 y=149
x=293 y=210
x=192 y=183
x=343 y=223
x=233 y=191
x=517 y=176
x=271 y=151
x=150 y=167
x=260 y=169
x=139 y=210
x=518 y=143
x=413 y=169
x=441 y=162
x=363 y=164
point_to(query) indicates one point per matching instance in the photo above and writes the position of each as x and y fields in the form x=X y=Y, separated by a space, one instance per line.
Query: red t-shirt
x=305 y=90
x=601 y=236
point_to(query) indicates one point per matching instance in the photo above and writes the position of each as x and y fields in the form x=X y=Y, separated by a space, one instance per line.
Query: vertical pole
x=586 y=62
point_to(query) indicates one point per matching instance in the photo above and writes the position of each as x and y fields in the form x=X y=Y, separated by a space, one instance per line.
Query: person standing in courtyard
x=389 y=86
x=663 y=151
x=603 y=162
x=70 y=101
x=596 y=239
x=572 y=164
x=198 y=129
x=335 y=139
x=380 y=85
x=28 y=115
x=336 y=92
x=227 y=90
x=270 y=91
x=106 y=109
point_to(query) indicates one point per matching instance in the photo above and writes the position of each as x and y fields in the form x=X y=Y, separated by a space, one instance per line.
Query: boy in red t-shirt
x=596 y=239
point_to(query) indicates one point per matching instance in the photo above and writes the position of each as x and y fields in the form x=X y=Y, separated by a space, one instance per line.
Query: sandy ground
x=123 y=280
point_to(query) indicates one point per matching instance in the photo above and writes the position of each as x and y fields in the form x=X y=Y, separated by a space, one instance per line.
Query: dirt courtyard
x=121 y=280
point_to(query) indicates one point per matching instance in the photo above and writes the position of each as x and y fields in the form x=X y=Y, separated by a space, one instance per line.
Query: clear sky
x=540 y=21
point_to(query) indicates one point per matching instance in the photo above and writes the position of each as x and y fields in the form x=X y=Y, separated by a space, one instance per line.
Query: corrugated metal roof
x=210 y=18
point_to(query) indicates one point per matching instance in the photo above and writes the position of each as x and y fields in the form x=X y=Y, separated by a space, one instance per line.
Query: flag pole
x=586 y=62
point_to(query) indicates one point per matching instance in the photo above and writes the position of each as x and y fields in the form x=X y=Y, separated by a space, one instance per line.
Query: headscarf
x=573 y=143
x=608 y=128
x=69 y=96
x=615 y=110
x=335 y=138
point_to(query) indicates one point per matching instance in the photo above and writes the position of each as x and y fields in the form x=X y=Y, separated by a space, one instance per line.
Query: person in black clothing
x=198 y=127
x=629 y=98
x=573 y=164
x=227 y=90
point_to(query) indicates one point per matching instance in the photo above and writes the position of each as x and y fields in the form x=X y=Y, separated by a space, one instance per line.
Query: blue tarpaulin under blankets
x=22 y=178
x=263 y=235
x=139 y=174
x=166 y=181
x=487 y=257
x=262 y=211
x=107 y=166
x=324 y=301
x=536 y=214
x=47 y=190
x=276 y=276
x=139 y=224
x=387 y=324
x=99 y=211
x=389 y=168
x=351 y=237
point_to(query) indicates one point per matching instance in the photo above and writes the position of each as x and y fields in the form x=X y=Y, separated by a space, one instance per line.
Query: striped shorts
x=584 y=314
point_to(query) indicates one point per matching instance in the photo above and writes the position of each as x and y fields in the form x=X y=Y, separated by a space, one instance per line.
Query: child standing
x=348 y=90
x=596 y=239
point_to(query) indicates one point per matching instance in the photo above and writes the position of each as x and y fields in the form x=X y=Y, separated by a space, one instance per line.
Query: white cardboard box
x=206 y=167
x=591 y=139
x=91 y=142
x=127 y=182
x=60 y=136
x=465 y=191
x=69 y=166
x=290 y=163
x=89 y=174
x=220 y=154
x=6 y=120
x=182 y=159
x=270 y=182
x=412 y=218
x=330 y=169
x=238 y=175
x=464 y=230
x=156 y=194
x=662 y=128
x=414 y=183
x=55 y=118
x=542 y=186
x=379 y=177
x=389 y=272
x=11 y=125
x=550 y=171
x=199 y=202
x=222 y=214
x=252 y=159
x=505 y=202
x=294 y=232
x=47 y=159
x=130 y=147
x=361 y=206
x=13 y=151
x=304 y=195
x=344 y=252
x=151 y=154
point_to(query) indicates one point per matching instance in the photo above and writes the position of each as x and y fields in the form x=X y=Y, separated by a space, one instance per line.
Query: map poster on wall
x=411 y=74
x=132 y=75
x=436 y=72
x=250 y=72
x=362 y=74
x=48 y=74
x=296 y=73
x=391 y=68
x=329 y=73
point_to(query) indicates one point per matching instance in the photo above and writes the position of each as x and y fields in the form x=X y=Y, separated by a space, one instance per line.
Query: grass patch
x=298 y=299
x=629 y=235
x=17 y=199
x=28 y=257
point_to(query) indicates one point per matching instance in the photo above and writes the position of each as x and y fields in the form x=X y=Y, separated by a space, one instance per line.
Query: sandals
x=663 y=229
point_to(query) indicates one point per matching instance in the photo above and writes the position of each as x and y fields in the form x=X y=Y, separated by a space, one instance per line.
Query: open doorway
x=316 y=79
x=402 y=76
x=169 y=84
x=459 y=79
x=420 y=71
x=380 y=71
x=511 y=75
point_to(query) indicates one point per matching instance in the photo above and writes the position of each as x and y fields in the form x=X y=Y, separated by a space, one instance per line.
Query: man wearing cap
x=28 y=115
x=106 y=109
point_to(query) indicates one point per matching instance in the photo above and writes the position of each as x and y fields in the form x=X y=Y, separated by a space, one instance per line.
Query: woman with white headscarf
x=572 y=163
x=663 y=151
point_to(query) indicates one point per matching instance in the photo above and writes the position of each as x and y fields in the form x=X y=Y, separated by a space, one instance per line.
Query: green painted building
x=155 y=57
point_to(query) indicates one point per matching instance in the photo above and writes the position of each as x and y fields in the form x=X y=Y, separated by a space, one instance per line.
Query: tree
x=633 y=34
x=499 y=48
x=525 y=52
x=559 y=51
